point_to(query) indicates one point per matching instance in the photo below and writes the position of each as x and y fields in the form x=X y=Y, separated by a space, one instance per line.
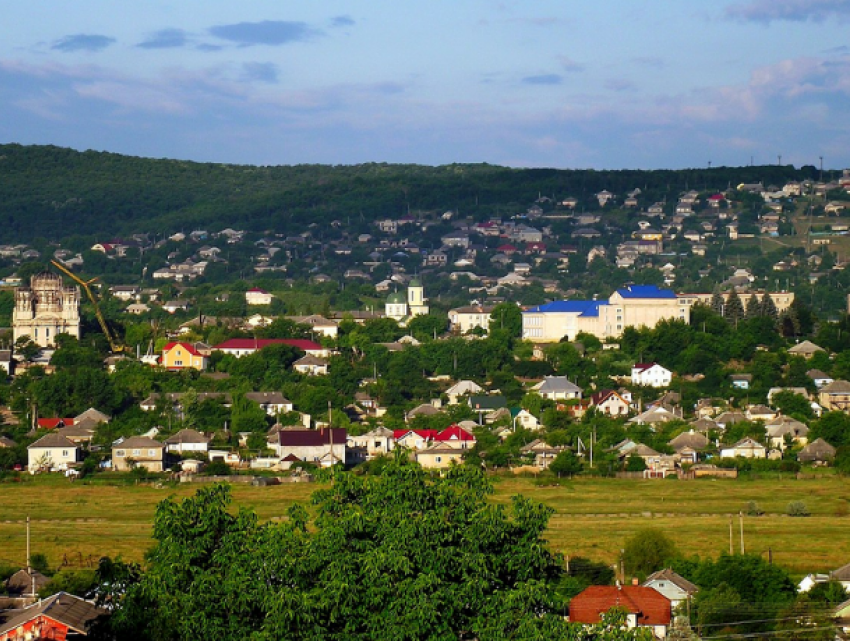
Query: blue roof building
x=631 y=306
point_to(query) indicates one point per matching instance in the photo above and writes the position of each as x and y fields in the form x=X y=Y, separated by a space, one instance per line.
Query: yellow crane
x=114 y=344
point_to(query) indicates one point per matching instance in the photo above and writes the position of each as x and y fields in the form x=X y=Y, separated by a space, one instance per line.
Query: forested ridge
x=70 y=192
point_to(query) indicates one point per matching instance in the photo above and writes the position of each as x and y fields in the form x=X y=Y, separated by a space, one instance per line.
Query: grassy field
x=593 y=517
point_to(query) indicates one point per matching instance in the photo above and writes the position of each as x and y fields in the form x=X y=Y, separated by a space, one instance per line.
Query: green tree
x=734 y=309
x=507 y=316
x=648 y=550
x=566 y=463
x=358 y=570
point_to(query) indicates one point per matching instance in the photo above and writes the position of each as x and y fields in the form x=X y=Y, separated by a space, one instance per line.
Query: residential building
x=61 y=616
x=139 y=451
x=377 y=442
x=745 y=448
x=462 y=388
x=651 y=375
x=671 y=585
x=557 y=388
x=440 y=455
x=806 y=349
x=644 y=606
x=465 y=319
x=835 y=396
x=311 y=365
x=51 y=453
x=610 y=402
x=273 y=403
x=176 y=356
x=245 y=346
x=324 y=447
x=257 y=296
x=46 y=308
x=187 y=440
x=817 y=452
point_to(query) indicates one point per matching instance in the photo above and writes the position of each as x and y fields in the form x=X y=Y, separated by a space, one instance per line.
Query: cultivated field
x=593 y=516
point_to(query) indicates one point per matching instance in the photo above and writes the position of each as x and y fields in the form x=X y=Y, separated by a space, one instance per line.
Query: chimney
x=635 y=581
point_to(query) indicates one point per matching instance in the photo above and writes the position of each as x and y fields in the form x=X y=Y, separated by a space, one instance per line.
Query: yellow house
x=182 y=356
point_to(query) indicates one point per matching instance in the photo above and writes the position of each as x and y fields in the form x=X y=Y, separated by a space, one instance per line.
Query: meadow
x=78 y=522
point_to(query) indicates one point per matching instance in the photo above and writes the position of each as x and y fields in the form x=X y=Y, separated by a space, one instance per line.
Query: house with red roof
x=610 y=402
x=61 y=616
x=53 y=423
x=645 y=607
x=323 y=447
x=456 y=435
x=239 y=347
x=180 y=355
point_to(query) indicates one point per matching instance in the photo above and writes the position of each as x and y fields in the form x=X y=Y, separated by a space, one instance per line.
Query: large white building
x=46 y=308
x=632 y=306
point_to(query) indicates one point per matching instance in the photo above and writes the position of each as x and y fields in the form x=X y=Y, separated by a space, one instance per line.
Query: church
x=46 y=308
x=401 y=308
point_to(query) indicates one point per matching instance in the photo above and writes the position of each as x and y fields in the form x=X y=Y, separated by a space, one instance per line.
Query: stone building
x=46 y=308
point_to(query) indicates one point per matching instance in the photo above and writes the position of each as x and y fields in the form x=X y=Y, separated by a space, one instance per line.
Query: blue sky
x=604 y=84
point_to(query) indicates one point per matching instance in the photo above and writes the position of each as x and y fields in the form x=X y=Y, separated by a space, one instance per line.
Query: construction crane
x=114 y=344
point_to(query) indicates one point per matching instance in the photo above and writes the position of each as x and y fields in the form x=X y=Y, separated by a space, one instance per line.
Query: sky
x=608 y=84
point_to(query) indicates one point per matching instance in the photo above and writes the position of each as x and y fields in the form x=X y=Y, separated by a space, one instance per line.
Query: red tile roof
x=454 y=433
x=50 y=423
x=259 y=343
x=641 y=367
x=189 y=348
x=650 y=606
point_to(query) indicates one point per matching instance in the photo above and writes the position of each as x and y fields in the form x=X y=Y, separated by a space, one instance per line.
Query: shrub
x=753 y=509
x=798 y=508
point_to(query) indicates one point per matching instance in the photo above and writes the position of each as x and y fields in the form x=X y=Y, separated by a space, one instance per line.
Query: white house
x=651 y=375
x=52 y=452
x=746 y=448
x=187 y=440
x=273 y=403
x=257 y=296
x=675 y=587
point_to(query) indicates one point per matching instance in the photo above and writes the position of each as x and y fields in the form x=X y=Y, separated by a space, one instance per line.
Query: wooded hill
x=53 y=192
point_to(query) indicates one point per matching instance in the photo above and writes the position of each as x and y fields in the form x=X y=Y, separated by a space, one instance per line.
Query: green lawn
x=593 y=517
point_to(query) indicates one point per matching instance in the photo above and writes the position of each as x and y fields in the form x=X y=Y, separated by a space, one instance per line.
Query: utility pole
x=741 y=521
x=731 y=549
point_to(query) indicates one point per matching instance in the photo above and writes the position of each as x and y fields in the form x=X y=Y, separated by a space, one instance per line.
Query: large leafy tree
x=395 y=556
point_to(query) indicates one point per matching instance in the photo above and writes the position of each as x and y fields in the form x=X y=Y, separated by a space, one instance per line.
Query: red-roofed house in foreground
x=644 y=607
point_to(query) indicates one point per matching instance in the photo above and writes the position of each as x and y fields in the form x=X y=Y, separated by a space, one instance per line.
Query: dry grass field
x=593 y=517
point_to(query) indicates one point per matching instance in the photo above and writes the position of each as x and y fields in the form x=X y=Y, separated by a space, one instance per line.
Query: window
x=438 y=459
x=178 y=363
x=119 y=452
x=377 y=444
x=137 y=452
x=47 y=332
x=151 y=452
x=65 y=453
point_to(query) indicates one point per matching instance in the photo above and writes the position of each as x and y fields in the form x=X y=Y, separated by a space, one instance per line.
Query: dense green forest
x=69 y=192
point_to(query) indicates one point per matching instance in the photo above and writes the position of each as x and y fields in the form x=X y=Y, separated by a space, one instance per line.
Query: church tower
x=46 y=308
x=416 y=298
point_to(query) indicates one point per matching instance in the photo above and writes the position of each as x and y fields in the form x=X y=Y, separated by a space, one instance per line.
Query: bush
x=753 y=509
x=218 y=468
x=798 y=508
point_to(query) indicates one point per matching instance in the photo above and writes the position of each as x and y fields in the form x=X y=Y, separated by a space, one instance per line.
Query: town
x=621 y=336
